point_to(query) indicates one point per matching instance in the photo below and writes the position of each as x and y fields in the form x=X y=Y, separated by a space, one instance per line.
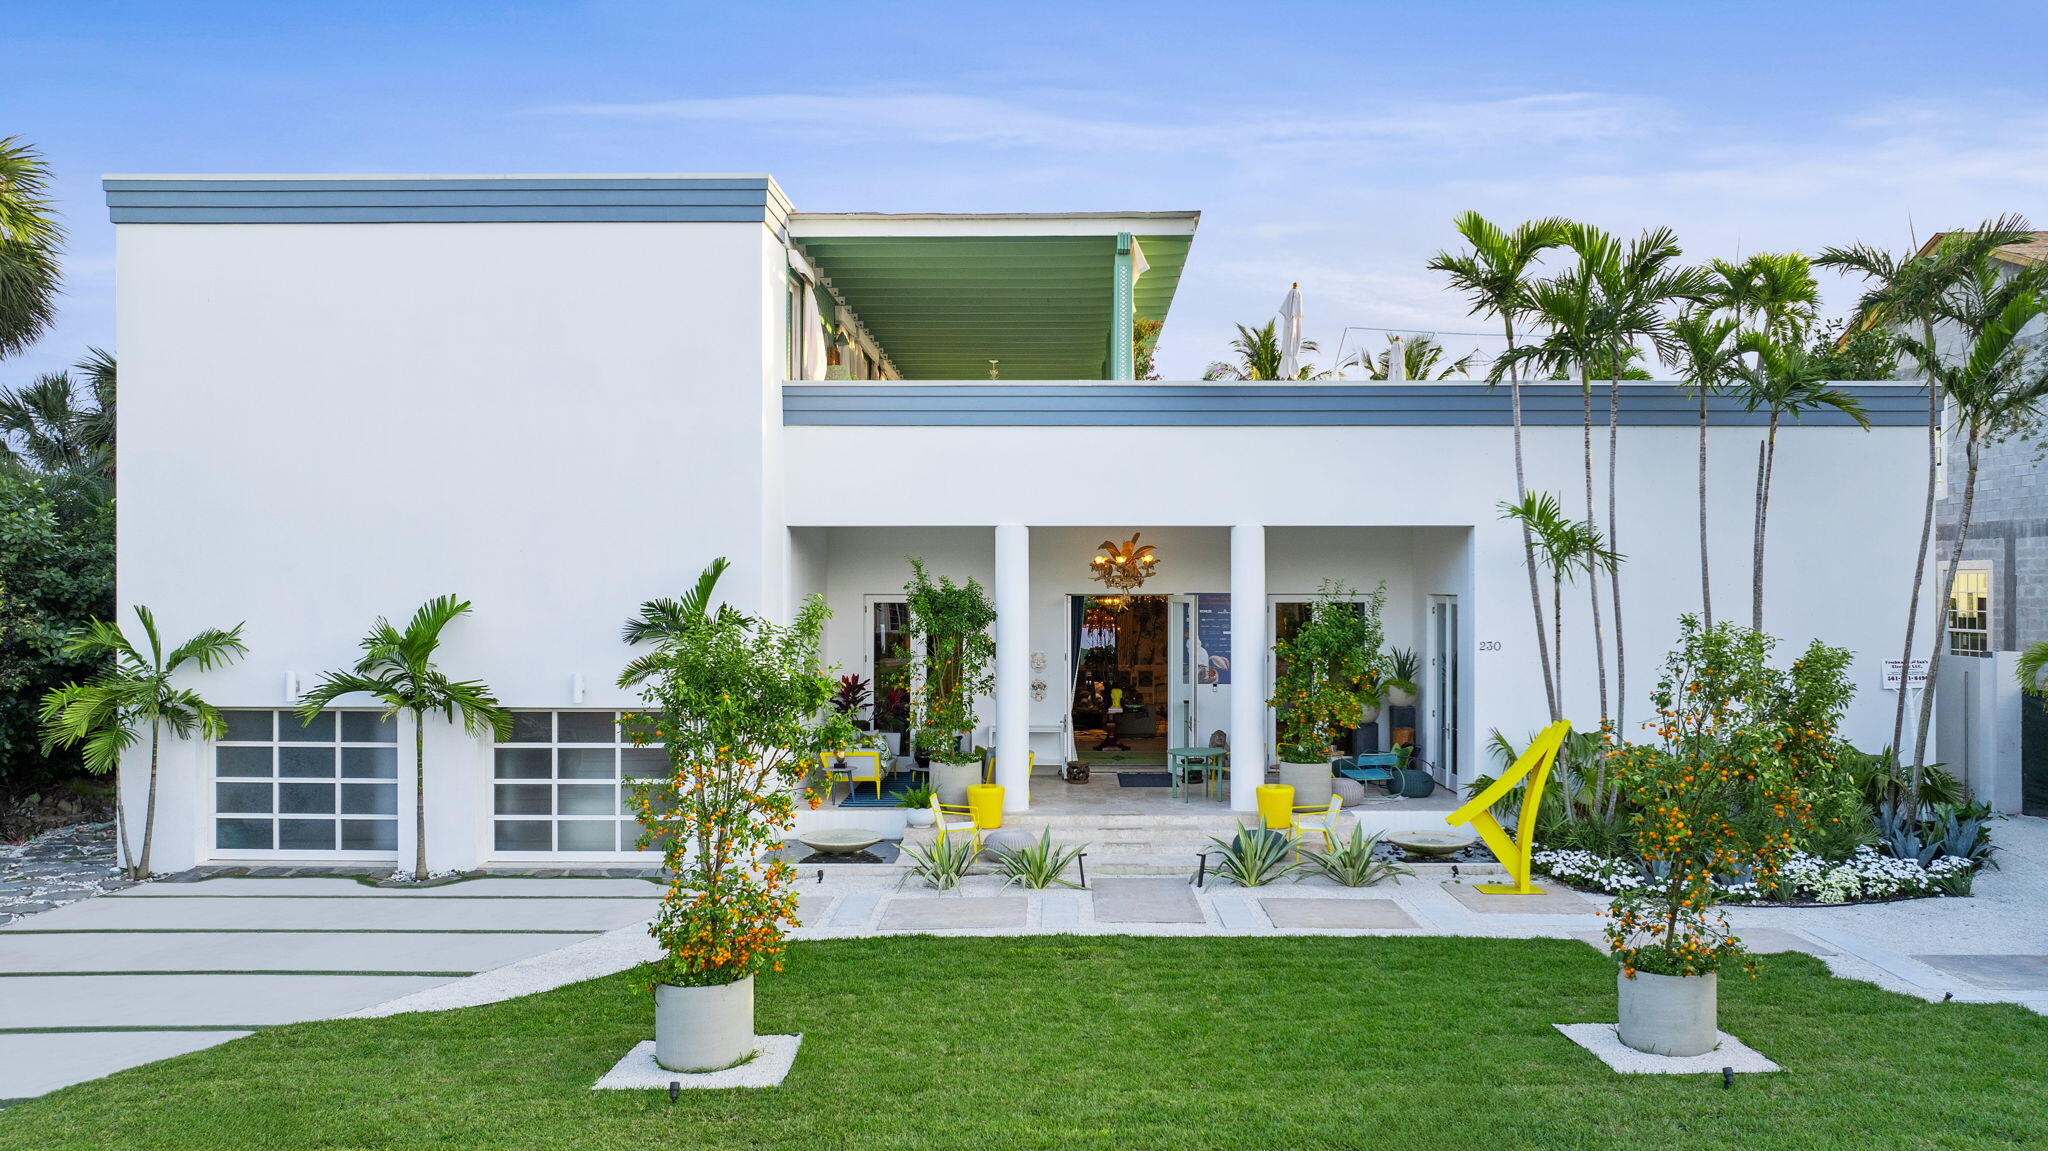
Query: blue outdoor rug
x=1143 y=779
x=893 y=786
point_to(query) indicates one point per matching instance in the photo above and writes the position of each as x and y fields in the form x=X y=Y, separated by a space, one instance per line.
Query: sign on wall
x=1212 y=623
x=1891 y=674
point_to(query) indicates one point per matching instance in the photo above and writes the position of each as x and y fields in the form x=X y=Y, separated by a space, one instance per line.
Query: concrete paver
x=399 y=913
x=146 y=1001
x=1145 y=901
x=1338 y=914
x=32 y=1065
x=983 y=912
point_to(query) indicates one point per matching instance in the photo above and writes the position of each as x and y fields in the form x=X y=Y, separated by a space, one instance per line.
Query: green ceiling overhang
x=942 y=307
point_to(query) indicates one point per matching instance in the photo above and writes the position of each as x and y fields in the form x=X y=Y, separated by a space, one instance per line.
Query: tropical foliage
x=1421 y=356
x=30 y=239
x=1257 y=356
x=398 y=670
x=1326 y=670
x=741 y=707
x=950 y=661
x=107 y=714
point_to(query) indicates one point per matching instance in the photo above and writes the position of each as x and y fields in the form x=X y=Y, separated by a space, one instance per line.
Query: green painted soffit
x=944 y=306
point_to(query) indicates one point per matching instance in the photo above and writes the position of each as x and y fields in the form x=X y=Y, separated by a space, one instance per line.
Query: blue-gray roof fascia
x=1363 y=405
x=257 y=200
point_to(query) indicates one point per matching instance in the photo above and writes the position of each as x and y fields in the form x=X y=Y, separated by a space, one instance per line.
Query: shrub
x=1355 y=862
x=1327 y=669
x=1254 y=857
x=1037 y=865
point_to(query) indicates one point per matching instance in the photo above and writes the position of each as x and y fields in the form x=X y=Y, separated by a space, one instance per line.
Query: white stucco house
x=560 y=396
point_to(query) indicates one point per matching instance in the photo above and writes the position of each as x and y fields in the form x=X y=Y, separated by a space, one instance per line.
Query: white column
x=1013 y=665
x=1247 y=664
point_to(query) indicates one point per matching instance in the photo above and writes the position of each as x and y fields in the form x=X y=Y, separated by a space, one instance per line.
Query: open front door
x=1441 y=692
x=1183 y=721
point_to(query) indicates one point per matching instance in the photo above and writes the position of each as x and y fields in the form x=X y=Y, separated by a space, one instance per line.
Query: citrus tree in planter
x=952 y=656
x=1323 y=676
x=1720 y=796
x=740 y=705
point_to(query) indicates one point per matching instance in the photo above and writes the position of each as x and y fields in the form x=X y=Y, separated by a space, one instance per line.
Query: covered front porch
x=1140 y=693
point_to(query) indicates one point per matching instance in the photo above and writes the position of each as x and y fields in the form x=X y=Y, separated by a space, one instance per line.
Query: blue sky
x=1325 y=143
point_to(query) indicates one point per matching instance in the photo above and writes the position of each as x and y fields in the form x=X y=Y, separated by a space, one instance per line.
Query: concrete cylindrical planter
x=1310 y=781
x=951 y=781
x=1400 y=698
x=1668 y=1014
x=918 y=816
x=703 y=1028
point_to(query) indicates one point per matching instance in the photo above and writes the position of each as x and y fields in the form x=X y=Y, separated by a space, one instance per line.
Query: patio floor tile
x=988 y=913
x=1145 y=901
x=1555 y=900
x=1351 y=914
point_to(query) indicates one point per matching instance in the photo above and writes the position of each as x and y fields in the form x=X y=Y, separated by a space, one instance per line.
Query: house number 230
x=1489 y=645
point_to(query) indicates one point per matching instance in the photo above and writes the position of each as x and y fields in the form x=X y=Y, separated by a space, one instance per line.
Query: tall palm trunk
x=1766 y=461
x=140 y=864
x=419 y=796
x=1926 y=538
x=1550 y=676
x=1557 y=619
x=1706 y=583
x=1955 y=560
x=1593 y=573
x=1614 y=544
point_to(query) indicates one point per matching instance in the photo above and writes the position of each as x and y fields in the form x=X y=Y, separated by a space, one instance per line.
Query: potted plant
x=740 y=706
x=917 y=805
x=1323 y=674
x=952 y=655
x=1401 y=686
x=1718 y=796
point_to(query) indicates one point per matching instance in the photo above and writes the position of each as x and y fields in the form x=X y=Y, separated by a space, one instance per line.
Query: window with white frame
x=1969 y=611
x=562 y=782
x=328 y=785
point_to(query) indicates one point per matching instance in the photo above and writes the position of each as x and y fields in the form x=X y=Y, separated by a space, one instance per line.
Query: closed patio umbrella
x=1290 y=334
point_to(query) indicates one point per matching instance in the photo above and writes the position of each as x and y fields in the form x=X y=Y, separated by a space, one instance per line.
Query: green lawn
x=1066 y=1042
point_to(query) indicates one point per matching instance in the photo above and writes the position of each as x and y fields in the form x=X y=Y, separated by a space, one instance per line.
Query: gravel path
x=58 y=867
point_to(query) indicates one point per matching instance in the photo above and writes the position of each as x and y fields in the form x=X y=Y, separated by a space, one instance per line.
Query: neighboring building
x=1999 y=606
x=2001 y=601
x=561 y=396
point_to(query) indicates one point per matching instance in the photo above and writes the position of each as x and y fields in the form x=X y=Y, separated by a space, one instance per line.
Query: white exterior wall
x=321 y=424
x=1840 y=550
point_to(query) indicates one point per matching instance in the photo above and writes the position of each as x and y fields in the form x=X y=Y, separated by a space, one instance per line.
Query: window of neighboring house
x=563 y=782
x=1969 y=611
x=331 y=785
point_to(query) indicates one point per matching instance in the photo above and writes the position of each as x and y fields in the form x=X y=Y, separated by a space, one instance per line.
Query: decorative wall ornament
x=1037 y=661
x=1123 y=566
x=1038 y=691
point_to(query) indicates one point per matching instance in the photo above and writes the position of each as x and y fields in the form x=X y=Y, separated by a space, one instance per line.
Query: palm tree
x=1420 y=355
x=397 y=667
x=29 y=241
x=1636 y=283
x=1494 y=278
x=2032 y=663
x=1995 y=387
x=1904 y=292
x=106 y=712
x=60 y=425
x=1258 y=356
x=1566 y=547
x=1705 y=352
x=1786 y=379
x=664 y=621
x=1569 y=306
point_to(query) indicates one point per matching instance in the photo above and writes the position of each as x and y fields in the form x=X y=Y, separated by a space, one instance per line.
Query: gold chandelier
x=1123 y=566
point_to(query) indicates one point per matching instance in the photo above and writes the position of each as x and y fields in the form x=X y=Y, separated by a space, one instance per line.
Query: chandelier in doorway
x=1123 y=566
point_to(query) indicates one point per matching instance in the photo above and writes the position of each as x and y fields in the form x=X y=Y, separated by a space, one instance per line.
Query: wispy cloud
x=1057 y=120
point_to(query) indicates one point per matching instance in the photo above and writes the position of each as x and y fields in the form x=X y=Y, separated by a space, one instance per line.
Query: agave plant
x=942 y=863
x=1037 y=865
x=1964 y=831
x=1354 y=863
x=1254 y=857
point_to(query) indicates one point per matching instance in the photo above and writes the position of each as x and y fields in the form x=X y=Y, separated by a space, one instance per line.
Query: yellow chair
x=1322 y=820
x=861 y=767
x=947 y=817
x=988 y=771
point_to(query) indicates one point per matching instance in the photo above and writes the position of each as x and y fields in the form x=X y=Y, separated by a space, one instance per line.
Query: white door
x=1183 y=721
x=1441 y=692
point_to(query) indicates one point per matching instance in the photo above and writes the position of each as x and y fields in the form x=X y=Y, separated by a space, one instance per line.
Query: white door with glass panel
x=1440 y=693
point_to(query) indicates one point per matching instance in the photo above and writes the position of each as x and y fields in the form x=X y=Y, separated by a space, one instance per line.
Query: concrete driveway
x=165 y=968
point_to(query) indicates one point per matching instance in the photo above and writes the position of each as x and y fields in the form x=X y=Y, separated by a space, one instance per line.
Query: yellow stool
x=1276 y=806
x=985 y=801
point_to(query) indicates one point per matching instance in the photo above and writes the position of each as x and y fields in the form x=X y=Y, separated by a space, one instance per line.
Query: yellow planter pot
x=1276 y=806
x=985 y=803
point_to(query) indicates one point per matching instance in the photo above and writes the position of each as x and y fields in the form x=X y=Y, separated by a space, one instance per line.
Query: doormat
x=1143 y=779
x=894 y=785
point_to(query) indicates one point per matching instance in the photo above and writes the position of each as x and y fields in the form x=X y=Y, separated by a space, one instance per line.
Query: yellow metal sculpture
x=1514 y=854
